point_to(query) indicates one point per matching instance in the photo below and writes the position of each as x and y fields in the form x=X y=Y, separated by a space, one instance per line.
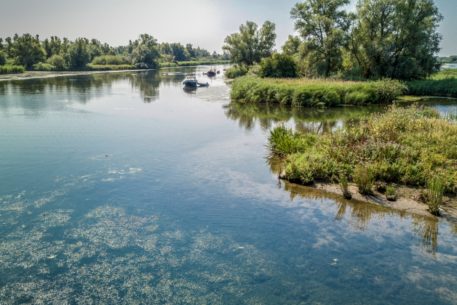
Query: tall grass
x=435 y=195
x=314 y=92
x=93 y=67
x=113 y=60
x=364 y=179
x=443 y=83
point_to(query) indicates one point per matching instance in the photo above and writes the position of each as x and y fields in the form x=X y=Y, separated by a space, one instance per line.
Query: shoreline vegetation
x=405 y=155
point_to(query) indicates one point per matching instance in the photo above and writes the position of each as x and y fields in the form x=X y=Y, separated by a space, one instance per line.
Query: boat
x=192 y=82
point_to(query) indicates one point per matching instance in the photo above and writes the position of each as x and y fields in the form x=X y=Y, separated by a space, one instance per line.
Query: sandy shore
x=42 y=74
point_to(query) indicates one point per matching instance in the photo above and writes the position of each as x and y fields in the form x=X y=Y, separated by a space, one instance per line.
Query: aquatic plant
x=284 y=142
x=435 y=194
x=314 y=92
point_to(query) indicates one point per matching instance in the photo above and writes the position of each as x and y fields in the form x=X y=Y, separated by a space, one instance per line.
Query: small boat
x=193 y=83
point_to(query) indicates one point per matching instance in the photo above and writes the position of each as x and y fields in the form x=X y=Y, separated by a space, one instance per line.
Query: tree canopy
x=251 y=43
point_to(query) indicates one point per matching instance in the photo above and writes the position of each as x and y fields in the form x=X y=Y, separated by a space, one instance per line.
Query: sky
x=203 y=23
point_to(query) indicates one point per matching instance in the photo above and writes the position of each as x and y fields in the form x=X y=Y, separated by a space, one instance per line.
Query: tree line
x=56 y=53
x=395 y=39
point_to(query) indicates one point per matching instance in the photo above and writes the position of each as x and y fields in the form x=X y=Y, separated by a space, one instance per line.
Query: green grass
x=406 y=146
x=10 y=69
x=443 y=83
x=114 y=60
x=314 y=92
x=93 y=67
x=236 y=71
x=435 y=194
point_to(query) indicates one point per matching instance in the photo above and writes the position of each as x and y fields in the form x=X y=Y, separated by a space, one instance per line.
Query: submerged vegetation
x=407 y=146
x=312 y=93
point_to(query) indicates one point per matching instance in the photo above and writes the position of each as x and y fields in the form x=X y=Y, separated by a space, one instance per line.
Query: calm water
x=126 y=189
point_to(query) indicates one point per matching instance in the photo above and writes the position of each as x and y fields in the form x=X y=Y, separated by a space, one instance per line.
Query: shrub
x=236 y=71
x=110 y=60
x=109 y=67
x=391 y=193
x=9 y=69
x=435 y=195
x=43 y=67
x=58 y=62
x=364 y=179
x=284 y=142
x=2 y=58
x=278 y=65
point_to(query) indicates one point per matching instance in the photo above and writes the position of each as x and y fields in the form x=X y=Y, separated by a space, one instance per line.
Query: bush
x=10 y=69
x=113 y=60
x=109 y=67
x=236 y=71
x=58 y=62
x=277 y=66
x=43 y=67
x=391 y=193
x=314 y=93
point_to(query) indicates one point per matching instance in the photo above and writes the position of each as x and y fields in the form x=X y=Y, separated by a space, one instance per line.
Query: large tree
x=396 y=38
x=78 y=55
x=26 y=50
x=322 y=25
x=145 y=53
x=252 y=43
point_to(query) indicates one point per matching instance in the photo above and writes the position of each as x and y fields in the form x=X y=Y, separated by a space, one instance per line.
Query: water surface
x=127 y=189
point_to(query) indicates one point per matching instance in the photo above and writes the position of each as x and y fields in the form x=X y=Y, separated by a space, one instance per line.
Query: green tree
x=322 y=24
x=396 y=38
x=278 y=65
x=292 y=46
x=78 y=55
x=2 y=58
x=251 y=44
x=145 y=53
x=26 y=50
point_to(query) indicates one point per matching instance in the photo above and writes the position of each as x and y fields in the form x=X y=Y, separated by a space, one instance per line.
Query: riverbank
x=314 y=92
x=403 y=148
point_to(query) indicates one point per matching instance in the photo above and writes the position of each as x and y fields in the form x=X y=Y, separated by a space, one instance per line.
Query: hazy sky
x=201 y=22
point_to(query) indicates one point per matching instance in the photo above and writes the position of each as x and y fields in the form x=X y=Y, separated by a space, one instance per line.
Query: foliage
x=110 y=60
x=396 y=38
x=344 y=185
x=26 y=50
x=391 y=193
x=435 y=194
x=145 y=54
x=78 y=54
x=93 y=67
x=322 y=24
x=443 y=83
x=364 y=179
x=314 y=93
x=2 y=58
x=292 y=46
x=41 y=66
x=283 y=142
x=278 y=65
x=251 y=44
x=9 y=69
x=236 y=71
x=58 y=62
x=408 y=146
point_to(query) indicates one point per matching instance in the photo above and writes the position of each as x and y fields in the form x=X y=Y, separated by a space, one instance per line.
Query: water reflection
x=301 y=119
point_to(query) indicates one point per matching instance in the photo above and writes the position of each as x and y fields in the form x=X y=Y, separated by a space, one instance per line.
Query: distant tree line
x=395 y=39
x=56 y=53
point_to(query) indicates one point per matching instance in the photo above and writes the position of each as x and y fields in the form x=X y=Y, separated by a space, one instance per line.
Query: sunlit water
x=126 y=189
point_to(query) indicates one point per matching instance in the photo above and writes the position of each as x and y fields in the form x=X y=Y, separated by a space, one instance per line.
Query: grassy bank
x=314 y=93
x=407 y=146
x=443 y=83
x=11 y=69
